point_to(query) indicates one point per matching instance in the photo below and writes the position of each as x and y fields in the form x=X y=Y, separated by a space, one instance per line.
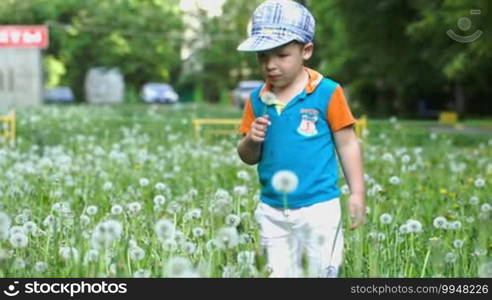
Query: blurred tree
x=393 y=53
x=141 y=37
x=221 y=65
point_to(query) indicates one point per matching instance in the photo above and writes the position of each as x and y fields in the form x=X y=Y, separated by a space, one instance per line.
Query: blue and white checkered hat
x=278 y=22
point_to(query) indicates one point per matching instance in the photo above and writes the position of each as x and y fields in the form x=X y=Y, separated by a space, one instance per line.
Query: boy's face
x=282 y=65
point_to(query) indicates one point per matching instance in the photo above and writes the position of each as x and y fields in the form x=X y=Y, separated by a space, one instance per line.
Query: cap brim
x=262 y=43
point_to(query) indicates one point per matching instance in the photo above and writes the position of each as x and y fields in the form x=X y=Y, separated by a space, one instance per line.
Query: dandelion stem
x=426 y=260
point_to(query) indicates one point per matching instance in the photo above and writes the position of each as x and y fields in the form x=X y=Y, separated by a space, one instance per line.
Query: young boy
x=296 y=121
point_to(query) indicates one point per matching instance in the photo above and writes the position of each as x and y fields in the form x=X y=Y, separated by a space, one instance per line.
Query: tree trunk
x=459 y=98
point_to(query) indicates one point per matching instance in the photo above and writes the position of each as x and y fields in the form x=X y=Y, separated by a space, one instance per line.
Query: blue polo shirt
x=300 y=139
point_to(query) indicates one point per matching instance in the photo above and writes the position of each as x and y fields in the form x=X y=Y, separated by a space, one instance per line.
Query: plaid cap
x=278 y=22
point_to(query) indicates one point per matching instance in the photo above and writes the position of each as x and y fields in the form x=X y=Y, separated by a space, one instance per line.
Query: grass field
x=130 y=191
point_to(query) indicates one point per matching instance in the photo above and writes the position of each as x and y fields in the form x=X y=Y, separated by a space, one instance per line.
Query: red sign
x=23 y=37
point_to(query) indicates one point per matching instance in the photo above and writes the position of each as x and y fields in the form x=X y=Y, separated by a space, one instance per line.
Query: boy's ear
x=307 y=51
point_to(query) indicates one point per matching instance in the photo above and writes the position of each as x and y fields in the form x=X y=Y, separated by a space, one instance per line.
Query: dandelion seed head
x=40 y=267
x=240 y=190
x=165 y=229
x=19 y=240
x=485 y=270
x=227 y=238
x=116 y=209
x=141 y=273
x=136 y=253
x=232 y=220
x=69 y=253
x=485 y=208
x=285 y=181
x=458 y=244
x=169 y=245
x=395 y=180
x=159 y=200
x=386 y=218
x=198 y=232
x=179 y=267
x=143 y=182
x=450 y=257
x=440 y=222
x=91 y=210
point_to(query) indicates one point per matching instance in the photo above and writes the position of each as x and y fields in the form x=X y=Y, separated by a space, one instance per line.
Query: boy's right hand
x=259 y=129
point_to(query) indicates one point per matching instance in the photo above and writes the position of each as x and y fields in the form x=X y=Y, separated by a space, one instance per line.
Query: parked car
x=59 y=94
x=243 y=90
x=154 y=92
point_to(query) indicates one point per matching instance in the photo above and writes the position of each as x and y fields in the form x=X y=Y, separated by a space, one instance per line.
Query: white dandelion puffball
x=165 y=229
x=479 y=183
x=141 y=273
x=134 y=207
x=67 y=253
x=285 y=181
x=227 y=238
x=240 y=190
x=136 y=253
x=40 y=266
x=232 y=220
x=5 y=221
x=116 y=209
x=404 y=229
x=106 y=233
x=159 y=200
x=450 y=257
x=456 y=225
x=395 y=180
x=485 y=207
x=414 y=226
x=458 y=244
x=243 y=175
x=474 y=200
x=91 y=256
x=179 y=267
x=91 y=210
x=107 y=186
x=143 y=182
x=19 y=240
x=268 y=98
x=485 y=270
x=198 y=232
x=440 y=222
x=385 y=218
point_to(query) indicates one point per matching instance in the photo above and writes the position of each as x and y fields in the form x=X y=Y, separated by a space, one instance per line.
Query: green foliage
x=142 y=38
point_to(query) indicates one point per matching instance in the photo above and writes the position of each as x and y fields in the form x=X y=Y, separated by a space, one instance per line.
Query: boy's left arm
x=349 y=153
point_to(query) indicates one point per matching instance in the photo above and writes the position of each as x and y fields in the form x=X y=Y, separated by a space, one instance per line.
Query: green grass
x=67 y=154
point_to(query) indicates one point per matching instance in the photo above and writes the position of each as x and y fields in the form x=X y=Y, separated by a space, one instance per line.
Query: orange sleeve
x=248 y=117
x=339 y=114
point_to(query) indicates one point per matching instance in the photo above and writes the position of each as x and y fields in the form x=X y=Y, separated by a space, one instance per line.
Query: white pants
x=315 y=230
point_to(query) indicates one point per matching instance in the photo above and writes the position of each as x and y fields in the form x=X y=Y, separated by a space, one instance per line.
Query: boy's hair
x=278 y=22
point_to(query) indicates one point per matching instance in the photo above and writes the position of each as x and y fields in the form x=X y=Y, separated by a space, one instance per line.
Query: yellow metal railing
x=448 y=117
x=199 y=125
x=233 y=124
x=361 y=126
x=7 y=127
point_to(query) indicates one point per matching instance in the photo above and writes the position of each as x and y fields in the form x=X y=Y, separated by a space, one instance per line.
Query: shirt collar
x=313 y=82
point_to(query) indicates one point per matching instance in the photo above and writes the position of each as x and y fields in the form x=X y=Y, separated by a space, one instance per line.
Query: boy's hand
x=357 y=210
x=259 y=129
